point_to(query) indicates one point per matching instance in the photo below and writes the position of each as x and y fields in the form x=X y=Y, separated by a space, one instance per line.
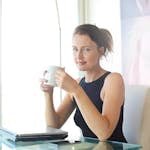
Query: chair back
x=137 y=115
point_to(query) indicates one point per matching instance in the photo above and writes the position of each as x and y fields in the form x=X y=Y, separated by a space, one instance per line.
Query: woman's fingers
x=60 y=77
x=44 y=86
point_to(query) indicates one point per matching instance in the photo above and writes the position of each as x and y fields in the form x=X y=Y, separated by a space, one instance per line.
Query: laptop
x=36 y=134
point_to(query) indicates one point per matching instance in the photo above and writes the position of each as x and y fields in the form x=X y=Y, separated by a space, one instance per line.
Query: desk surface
x=84 y=144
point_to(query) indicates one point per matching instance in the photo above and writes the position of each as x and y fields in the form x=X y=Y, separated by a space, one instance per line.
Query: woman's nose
x=79 y=54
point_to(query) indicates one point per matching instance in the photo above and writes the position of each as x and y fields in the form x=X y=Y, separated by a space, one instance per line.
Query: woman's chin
x=81 y=69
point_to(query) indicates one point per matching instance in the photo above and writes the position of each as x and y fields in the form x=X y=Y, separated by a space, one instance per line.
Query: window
x=30 y=42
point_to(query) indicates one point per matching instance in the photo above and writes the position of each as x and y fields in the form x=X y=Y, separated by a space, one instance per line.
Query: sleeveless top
x=93 y=89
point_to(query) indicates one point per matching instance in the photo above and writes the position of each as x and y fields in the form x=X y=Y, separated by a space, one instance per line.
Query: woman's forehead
x=82 y=39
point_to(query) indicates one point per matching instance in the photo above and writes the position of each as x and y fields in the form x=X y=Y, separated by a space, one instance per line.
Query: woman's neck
x=94 y=74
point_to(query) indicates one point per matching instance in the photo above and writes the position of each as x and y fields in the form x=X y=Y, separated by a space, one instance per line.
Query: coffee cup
x=49 y=75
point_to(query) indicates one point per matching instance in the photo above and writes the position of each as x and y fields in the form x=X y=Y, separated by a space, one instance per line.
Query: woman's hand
x=45 y=87
x=65 y=81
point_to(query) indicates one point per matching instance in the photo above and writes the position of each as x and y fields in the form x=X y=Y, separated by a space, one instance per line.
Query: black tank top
x=93 y=89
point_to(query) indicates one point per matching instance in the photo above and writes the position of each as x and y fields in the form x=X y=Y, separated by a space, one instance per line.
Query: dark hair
x=102 y=37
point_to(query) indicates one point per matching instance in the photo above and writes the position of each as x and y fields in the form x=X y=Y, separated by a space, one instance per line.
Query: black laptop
x=36 y=134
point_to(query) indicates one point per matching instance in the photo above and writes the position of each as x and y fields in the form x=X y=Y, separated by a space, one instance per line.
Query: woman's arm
x=103 y=124
x=56 y=118
x=113 y=96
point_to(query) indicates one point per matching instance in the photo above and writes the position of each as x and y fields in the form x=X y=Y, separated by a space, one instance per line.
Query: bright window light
x=30 y=42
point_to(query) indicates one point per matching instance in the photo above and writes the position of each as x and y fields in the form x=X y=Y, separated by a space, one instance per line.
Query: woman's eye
x=74 y=49
x=86 y=49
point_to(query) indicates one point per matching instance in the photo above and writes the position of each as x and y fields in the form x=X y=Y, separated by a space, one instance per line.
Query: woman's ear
x=102 y=50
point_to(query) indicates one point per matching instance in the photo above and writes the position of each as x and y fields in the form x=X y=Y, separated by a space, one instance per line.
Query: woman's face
x=85 y=52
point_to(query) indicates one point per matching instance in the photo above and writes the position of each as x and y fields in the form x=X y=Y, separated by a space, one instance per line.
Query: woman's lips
x=81 y=63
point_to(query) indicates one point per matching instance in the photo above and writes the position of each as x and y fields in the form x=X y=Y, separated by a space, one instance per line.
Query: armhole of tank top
x=104 y=76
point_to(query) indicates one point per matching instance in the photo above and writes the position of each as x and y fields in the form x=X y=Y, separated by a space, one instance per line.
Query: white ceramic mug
x=49 y=75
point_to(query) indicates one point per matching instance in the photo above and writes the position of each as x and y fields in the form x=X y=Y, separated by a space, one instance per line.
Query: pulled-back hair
x=102 y=37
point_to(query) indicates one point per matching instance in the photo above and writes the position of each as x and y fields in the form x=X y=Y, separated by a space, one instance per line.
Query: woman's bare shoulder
x=114 y=80
x=114 y=87
x=114 y=77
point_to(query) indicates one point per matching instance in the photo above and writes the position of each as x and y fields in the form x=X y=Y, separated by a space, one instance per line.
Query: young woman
x=98 y=97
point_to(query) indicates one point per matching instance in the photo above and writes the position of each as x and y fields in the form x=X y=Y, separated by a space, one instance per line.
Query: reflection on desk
x=104 y=146
x=84 y=144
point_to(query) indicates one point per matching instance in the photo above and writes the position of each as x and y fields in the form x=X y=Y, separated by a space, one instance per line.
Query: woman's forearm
x=94 y=119
x=50 y=113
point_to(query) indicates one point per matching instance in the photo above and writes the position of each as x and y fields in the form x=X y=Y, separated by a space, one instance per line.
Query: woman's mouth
x=81 y=63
